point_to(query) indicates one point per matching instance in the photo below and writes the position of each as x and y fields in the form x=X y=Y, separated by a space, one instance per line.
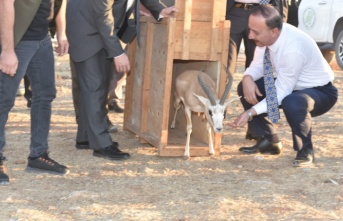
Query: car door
x=314 y=18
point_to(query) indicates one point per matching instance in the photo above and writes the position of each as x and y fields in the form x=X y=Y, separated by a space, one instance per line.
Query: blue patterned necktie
x=264 y=2
x=269 y=85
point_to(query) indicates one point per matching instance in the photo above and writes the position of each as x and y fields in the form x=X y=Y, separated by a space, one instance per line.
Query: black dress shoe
x=116 y=107
x=305 y=157
x=263 y=146
x=111 y=153
x=85 y=145
x=29 y=102
x=4 y=179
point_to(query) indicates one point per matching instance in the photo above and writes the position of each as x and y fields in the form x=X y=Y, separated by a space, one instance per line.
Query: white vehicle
x=323 y=21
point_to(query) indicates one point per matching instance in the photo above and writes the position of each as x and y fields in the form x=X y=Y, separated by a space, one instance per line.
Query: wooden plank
x=131 y=127
x=134 y=86
x=146 y=77
x=214 y=32
x=157 y=88
x=168 y=82
x=217 y=143
x=202 y=10
x=204 y=42
x=128 y=87
x=197 y=56
x=224 y=55
x=158 y=85
x=176 y=145
x=179 y=151
x=187 y=22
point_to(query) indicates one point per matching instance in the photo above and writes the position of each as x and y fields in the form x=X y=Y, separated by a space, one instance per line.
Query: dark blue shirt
x=39 y=26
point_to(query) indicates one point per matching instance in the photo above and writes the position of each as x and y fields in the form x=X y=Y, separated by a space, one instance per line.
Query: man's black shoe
x=112 y=153
x=85 y=145
x=45 y=164
x=4 y=179
x=305 y=157
x=116 y=107
x=29 y=102
x=263 y=146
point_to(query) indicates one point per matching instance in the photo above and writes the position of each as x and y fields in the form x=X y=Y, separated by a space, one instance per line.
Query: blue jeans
x=36 y=59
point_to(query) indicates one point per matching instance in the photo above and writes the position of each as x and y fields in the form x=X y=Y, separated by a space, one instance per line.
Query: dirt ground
x=232 y=186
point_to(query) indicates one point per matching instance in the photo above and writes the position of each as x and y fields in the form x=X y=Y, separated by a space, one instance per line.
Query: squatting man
x=303 y=85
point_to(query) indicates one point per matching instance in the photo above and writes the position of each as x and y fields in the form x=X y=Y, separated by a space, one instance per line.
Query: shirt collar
x=275 y=47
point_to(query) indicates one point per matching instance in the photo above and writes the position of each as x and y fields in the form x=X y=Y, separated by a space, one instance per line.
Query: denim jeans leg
x=41 y=74
x=9 y=86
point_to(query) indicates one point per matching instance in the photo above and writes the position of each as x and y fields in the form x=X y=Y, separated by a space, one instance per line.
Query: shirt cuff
x=119 y=55
x=261 y=107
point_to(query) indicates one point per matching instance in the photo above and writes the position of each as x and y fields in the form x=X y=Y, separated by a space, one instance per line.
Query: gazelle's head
x=215 y=109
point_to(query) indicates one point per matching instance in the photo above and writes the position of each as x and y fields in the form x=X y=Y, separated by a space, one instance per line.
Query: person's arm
x=8 y=58
x=255 y=70
x=105 y=23
x=158 y=9
x=62 y=40
x=144 y=11
x=253 y=73
x=168 y=12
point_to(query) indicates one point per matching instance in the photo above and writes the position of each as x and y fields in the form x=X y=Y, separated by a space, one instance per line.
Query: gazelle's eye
x=210 y=112
x=224 y=114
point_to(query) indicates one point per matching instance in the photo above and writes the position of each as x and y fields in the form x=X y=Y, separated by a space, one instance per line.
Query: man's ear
x=275 y=31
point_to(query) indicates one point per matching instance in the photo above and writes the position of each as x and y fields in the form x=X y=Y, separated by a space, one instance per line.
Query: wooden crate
x=167 y=48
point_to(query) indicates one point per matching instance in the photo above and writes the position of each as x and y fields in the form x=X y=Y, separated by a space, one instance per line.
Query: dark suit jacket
x=280 y=5
x=92 y=25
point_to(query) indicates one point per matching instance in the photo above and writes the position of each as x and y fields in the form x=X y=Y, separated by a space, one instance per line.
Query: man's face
x=259 y=32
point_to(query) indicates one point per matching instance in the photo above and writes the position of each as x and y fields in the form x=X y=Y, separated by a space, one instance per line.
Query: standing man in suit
x=238 y=13
x=26 y=48
x=94 y=47
x=303 y=85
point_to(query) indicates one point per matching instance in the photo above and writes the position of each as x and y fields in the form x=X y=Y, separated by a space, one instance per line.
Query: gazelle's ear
x=203 y=100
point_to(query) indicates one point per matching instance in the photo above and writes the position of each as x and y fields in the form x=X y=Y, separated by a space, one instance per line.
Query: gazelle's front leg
x=189 y=132
x=210 y=139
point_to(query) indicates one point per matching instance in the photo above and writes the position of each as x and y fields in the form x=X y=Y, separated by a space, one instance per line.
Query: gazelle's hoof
x=186 y=157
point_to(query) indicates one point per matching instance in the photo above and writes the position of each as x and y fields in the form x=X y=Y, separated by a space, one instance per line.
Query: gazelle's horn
x=207 y=91
x=228 y=86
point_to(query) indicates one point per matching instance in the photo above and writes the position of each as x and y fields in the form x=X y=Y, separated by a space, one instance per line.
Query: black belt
x=245 y=6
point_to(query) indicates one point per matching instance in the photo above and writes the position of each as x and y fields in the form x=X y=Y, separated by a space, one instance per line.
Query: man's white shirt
x=297 y=62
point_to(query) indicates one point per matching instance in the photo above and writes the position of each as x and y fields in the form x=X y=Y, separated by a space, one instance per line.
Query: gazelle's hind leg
x=177 y=105
x=210 y=139
x=189 y=132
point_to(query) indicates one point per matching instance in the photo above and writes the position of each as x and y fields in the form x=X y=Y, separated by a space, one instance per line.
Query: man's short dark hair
x=272 y=16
